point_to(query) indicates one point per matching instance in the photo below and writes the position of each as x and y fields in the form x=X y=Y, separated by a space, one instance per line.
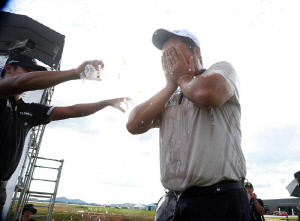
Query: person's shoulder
x=222 y=64
x=224 y=68
x=261 y=202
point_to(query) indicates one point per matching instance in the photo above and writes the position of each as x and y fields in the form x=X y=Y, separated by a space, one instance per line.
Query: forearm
x=77 y=110
x=259 y=208
x=211 y=91
x=34 y=81
x=82 y=110
x=142 y=116
x=193 y=89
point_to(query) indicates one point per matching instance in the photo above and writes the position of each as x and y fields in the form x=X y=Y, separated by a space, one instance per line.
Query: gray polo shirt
x=202 y=146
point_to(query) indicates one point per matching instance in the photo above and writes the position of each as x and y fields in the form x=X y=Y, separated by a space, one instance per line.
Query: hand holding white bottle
x=90 y=73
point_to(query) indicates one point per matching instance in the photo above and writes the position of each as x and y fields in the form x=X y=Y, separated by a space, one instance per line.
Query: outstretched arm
x=37 y=80
x=82 y=110
x=142 y=117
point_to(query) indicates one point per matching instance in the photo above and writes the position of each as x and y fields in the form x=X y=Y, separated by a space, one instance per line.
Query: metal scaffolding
x=23 y=191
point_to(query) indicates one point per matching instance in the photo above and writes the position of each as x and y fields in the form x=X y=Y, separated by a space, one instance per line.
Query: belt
x=213 y=189
x=3 y=184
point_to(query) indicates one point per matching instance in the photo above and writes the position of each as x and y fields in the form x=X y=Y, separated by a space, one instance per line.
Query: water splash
x=212 y=116
x=90 y=73
x=212 y=122
x=127 y=104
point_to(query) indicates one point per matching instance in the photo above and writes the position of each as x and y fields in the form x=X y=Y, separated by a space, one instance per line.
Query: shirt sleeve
x=227 y=71
x=261 y=202
x=40 y=113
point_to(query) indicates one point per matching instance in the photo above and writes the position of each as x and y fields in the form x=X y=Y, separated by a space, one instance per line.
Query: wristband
x=255 y=201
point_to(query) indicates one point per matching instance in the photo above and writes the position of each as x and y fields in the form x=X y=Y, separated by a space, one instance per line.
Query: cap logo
x=34 y=61
x=12 y=61
x=191 y=37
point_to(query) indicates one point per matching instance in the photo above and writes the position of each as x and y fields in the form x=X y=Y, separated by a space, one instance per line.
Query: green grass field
x=280 y=218
x=65 y=212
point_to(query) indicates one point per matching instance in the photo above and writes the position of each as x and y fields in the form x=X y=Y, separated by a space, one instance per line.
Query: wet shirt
x=16 y=119
x=201 y=146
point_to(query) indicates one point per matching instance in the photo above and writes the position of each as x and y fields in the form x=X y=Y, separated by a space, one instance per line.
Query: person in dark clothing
x=256 y=205
x=28 y=210
x=20 y=74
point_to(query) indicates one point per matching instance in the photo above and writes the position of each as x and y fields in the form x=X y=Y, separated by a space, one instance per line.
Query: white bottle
x=90 y=73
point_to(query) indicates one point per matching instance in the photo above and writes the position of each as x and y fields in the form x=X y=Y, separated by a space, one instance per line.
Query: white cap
x=160 y=36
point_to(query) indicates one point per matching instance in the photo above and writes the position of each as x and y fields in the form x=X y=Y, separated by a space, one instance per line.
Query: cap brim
x=37 y=67
x=160 y=36
x=33 y=211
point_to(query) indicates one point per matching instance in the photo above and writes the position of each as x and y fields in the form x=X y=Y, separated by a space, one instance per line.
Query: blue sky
x=103 y=162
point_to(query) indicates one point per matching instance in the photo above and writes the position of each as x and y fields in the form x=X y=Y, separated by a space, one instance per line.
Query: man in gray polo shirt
x=201 y=162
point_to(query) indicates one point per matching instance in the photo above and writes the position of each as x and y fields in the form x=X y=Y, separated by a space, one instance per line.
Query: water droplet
x=212 y=116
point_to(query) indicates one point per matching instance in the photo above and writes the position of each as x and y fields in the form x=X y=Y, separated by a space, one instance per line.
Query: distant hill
x=65 y=200
x=71 y=201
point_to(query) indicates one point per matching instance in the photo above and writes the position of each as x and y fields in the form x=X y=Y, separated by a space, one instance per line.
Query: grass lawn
x=294 y=218
x=64 y=212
